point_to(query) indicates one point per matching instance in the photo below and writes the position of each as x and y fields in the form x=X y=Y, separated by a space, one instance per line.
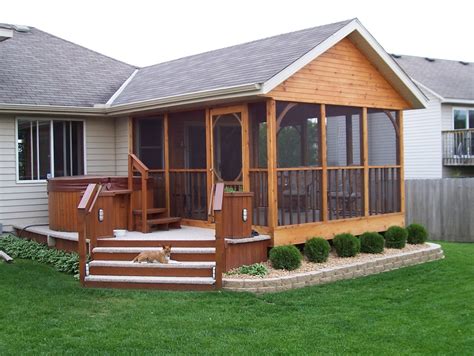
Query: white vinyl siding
x=100 y=146
x=422 y=135
x=121 y=146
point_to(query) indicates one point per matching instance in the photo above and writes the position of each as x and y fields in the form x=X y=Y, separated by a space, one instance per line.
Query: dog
x=162 y=256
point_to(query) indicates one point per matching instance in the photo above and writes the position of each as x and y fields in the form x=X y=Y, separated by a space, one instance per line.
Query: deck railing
x=259 y=187
x=85 y=207
x=384 y=190
x=345 y=192
x=135 y=165
x=458 y=147
x=188 y=193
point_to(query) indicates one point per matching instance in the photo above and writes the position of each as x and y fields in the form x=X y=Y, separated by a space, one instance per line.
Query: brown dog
x=162 y=256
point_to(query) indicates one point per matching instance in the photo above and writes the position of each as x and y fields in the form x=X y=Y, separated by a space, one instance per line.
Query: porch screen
x=149 y=142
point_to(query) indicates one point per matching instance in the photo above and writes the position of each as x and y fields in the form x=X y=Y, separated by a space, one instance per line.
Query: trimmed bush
x=285 y=257
x=347 y=245
x=317 y=249
x=371 y=242
x=417 y=234
x=32 y=250
x=395 y=237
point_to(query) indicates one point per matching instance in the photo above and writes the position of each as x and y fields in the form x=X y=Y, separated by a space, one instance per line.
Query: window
x=463 y=119
x=49 y=148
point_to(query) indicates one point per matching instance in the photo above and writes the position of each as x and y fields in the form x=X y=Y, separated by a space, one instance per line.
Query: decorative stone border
x=327 y=275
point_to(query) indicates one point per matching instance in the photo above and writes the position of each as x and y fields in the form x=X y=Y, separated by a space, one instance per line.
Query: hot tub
x=65 y=193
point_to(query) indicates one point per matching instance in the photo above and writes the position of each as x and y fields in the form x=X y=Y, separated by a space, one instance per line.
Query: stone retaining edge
x=328 y=275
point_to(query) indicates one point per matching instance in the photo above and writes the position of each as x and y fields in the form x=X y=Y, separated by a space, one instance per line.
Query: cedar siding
x=340 y=76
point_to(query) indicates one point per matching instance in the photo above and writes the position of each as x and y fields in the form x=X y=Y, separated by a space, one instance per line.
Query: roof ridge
x=249 y=42
x=83 y=47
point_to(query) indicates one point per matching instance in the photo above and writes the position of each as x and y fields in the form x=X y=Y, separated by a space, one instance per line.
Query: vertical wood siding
x=342 y=76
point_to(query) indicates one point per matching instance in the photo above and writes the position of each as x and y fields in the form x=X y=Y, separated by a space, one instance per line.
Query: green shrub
x=395 y=237
x=347 y=245
x=417 y=234
x=257 y=269
x=371 y=242
x=32 y=250
x=285 y=257
x=317 y=249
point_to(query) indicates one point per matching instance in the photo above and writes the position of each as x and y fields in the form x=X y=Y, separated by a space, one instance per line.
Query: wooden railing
x=299 y=195
x=345 y=192
x=458 y=147
x=85 y=207
x=188 y=193
x=218 y=198
x=384 y=190
x=259 y=186
x=135 y=165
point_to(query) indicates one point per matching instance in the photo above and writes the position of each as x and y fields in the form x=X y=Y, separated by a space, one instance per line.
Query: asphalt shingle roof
x=248 y=63
x=450 y=79
x=37 y=68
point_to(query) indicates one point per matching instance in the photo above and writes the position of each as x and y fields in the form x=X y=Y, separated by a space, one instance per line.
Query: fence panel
x=445 y=206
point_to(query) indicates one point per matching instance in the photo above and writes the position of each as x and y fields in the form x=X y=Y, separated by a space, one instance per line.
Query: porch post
x=167 y=164
x=272 y=165
x=245 y=149
x=324 y=165
x=401 y=161
x=208 y=159
x=365 y=159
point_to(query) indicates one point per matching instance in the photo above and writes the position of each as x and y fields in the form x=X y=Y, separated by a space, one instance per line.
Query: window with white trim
x=49 y=148
x=463 y=119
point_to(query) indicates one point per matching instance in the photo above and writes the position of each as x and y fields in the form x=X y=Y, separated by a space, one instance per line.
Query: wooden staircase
x=154 y=217
x=111 y=265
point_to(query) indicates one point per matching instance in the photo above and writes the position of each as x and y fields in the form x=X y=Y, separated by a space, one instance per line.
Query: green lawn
x=417 y=310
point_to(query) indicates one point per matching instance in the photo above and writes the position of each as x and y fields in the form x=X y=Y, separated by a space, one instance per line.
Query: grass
x=426 y=309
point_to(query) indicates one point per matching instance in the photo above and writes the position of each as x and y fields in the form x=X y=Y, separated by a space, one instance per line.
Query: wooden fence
x=445 y=206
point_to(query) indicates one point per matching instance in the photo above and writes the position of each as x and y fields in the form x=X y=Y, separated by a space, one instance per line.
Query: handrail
x=85 y=207
x=139 y=165
x=218 y=189
x=135 y=162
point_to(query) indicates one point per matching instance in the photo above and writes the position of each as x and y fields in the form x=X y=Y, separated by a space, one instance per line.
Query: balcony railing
x=458 y=147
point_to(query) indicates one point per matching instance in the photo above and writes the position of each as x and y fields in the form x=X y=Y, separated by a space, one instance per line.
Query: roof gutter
x=458 y=101
x=191 y=98
x=51 y=110
x=107 y=110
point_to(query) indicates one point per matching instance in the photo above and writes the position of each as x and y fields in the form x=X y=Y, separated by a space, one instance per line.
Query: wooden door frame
x=242 y=109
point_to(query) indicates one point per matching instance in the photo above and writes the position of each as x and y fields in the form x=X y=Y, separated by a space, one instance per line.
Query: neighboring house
x=439 y=140
x=310 y=121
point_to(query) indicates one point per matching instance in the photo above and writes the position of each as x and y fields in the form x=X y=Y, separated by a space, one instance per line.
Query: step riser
x=146 y=271
x=163 y=286
x=127 y=256
x=151 y=243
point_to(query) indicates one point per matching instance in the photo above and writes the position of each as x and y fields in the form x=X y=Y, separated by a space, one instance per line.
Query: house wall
x=422 y=135
x=448 y=124
x=27 y=203
x=342 y=76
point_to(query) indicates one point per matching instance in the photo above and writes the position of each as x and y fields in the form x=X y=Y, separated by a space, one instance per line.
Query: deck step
x=164 y=221
x=150 y=211
x=204 y=254
x=142 y=282
x=129 y=268
x=156 y=243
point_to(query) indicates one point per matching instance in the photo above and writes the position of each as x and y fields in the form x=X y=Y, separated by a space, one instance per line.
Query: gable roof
x=453 y=81
x=37 y=68
x=248 y=63
x=255 y=68
x=42 y=73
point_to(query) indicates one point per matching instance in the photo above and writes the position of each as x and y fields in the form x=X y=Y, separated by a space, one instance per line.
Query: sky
x=143 y=32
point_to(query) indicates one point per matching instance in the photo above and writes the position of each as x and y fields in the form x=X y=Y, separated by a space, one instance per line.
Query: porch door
x=229 y=147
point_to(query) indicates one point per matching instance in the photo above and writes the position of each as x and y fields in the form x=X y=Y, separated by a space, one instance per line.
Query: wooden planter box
x=233 y=207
